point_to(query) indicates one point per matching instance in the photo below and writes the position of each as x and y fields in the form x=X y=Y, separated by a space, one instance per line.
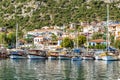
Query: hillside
x=31 y=14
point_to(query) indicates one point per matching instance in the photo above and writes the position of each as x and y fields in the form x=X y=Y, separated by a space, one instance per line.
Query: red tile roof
x=97 y=40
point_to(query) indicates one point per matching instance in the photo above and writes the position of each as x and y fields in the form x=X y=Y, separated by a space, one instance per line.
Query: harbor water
x=25 y=69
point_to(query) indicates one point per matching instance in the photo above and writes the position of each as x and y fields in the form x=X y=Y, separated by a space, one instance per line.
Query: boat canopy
x=16 y=52
x=76 y=50
x=111 y=49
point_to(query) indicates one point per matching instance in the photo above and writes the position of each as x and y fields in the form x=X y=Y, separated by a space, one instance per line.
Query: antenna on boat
x=77 y=39
x=87 y=39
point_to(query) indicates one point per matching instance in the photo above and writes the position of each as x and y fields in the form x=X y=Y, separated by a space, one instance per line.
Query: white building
x=47 y=32
x=90 y=29
x=115 y=30
x=39 y=39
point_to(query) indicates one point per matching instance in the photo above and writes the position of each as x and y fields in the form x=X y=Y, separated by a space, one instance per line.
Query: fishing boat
x=17 y=54
x=36 y=54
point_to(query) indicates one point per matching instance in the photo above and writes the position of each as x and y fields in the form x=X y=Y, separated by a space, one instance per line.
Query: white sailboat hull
x=109 y=58
x=119 y=57
x=76 y=58
x=64 y=58
x=52 y=57
x=17 y=57
x=98 y=58
x=87 y=58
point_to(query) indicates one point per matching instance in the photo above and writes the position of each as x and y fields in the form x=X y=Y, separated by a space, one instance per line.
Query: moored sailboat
x=87 y=55
x=17 y=54
x=108 y=56
x=97 y=54
x=76 y=51
x=76 y=55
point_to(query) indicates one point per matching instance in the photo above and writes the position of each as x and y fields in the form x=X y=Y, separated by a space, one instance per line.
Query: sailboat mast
x=87 y=40
x=108 y=44
x=77 y=40
x=16 y=35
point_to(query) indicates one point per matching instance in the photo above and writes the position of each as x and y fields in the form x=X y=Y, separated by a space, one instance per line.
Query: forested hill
x=30 y=14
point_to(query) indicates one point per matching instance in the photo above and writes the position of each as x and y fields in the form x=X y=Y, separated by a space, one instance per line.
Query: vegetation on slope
x=31 y=14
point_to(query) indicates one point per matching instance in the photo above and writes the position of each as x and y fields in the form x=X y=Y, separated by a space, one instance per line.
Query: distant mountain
x=31 y=14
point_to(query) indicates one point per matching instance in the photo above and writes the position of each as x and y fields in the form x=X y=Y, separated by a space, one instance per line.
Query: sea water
x=25 y=69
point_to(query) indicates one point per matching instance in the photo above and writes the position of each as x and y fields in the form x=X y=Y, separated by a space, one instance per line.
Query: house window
x=89 y=44
x=93 y=44
x=35 y=40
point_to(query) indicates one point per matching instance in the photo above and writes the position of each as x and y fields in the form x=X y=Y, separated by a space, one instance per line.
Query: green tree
x=54 y=37
x=67 y=43
x=112 y=40
x=80 y=40
x=100 y=46
x=3 y=38
x=97 y=36
x=11 y=39
x=54 y=12
x=117 y=44
x=29 y=38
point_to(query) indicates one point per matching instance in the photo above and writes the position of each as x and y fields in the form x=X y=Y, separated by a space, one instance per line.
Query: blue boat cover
x=111 y=49
x=76 y=50
x=15 y=52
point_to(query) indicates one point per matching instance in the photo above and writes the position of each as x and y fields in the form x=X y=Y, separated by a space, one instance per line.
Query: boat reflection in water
x=27 y=69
